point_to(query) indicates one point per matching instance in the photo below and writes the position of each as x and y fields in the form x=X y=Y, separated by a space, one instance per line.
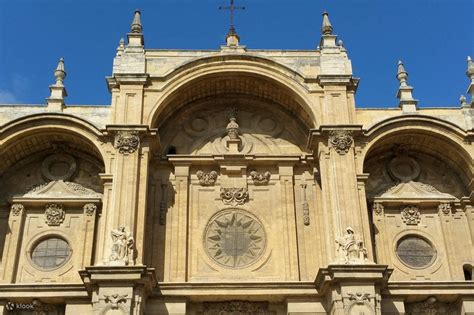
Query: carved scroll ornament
x=260 y=178
x=234 y=196
x=127 y=142
x=54 y=214
x=411 y=215
x=206 y=179
x=341 y=140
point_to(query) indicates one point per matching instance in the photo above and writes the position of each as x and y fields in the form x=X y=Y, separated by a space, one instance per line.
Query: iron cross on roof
x=231 y=8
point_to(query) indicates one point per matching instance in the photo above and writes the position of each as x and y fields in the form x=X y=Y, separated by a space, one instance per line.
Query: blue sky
x=432 y=37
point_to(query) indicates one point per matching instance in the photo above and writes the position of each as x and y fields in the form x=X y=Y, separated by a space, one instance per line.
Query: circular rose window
x=416 y=252
x=234 y=239
x=50 y=253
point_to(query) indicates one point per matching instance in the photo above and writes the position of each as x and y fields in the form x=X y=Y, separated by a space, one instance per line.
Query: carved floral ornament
x=234 y=196
x=114 y=300
x=54 y=214
x=341 y=140
x=260 y=178
x=207 y=179
x=411 y=215
x=127 y=142
x=16 y=209
x=90 y=209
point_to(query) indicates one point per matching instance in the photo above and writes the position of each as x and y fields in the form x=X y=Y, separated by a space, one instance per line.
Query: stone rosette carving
x=54 y=214
x=127 y=142
x=445 y=208
x=207 y=179
x=90 y=209
x=122 y=247
x=16 y=209
x=234 y=238
x=377 y=208
x=260 y=178
x=234 y=196
x=411 y=215
x=115 y=300
x=341 y=140
x=239 y=307
x=351 y=250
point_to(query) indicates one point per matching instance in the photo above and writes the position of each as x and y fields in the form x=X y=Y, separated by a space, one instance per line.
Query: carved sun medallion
x=234 y=239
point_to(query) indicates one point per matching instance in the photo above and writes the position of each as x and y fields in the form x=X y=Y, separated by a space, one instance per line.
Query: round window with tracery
x=234 y=239
x=416 y=252
x=51 y=253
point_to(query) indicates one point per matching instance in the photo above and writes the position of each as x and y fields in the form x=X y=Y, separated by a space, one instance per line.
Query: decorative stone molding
x=54 y=214
x=207 y=179
x=377 y=208
x=351 y=250
x=16 y=209
x=122 y=247
x=127 y=142
x=234 y=196
x=240 y=307
x=341 y=140
x=359 y=298
x=445 y=208
x=305 y=205
x=260 y=178
x=411 y=215
x=115 y=300
x=90 y=209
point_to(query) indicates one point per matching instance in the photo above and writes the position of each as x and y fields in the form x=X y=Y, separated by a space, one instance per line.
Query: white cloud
x=7 y=97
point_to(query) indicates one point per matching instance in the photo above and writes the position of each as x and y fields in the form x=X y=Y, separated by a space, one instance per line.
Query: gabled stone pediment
x=61 y=189
x=413 y=190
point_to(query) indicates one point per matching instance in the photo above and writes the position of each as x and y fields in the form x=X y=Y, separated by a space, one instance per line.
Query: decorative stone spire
x=136 y=24
x=121 y=47
x=470 y=75
x=328 y=39
x=326 y=29
x=405 y=92
x=58 y=91
x=135 y=37
x=234 y=141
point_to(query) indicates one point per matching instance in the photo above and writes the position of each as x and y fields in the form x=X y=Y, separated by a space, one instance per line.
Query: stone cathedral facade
x=236 y=182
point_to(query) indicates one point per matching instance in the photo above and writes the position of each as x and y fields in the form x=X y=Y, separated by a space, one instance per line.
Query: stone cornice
x=321 y=134
x=118 y=79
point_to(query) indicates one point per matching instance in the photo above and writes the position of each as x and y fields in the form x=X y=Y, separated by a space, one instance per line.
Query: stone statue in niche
x=122 y=247
x=351 y=250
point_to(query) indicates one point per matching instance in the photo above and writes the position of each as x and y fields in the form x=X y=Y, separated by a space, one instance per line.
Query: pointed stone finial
x=59 y=73
x=405 y=92
x=121 y=47
x=326 y=29
x=58 y=91
x=463 y=102
x=470 y=75
x=136 y=24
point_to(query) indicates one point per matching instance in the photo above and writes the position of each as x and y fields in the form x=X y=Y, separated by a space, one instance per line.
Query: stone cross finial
x=326 y=29
x=136 y=24
x=405 y=92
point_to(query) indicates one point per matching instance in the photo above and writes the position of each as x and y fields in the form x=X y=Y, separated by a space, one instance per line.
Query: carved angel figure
x=349 y=249
x=122 y=246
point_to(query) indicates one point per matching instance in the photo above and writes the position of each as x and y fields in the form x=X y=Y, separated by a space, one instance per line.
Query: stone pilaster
x=9 y=264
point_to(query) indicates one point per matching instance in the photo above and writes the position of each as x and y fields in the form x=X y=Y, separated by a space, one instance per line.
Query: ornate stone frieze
x=377 y=208
x=411 y=215
x=16 y=209
x=122 y=247
x=445 y=208
x=54 y=214
x=341 y=140
x=430 y=306
x=115 y=300
x=260 y=178
x=207 y=179
x=234 y=196
x=237 y=307
x=90 y=209
x=234 y=238
x=305 y=205
x=351 y=250
x=127 y=142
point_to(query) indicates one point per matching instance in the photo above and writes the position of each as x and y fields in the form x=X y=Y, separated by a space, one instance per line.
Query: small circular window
x=50 y=253
x=415 y=251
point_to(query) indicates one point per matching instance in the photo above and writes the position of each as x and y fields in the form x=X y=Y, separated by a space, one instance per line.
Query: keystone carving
x=115 y=300
x=445 y=208
x=351 y=250
x=359 y=298
x=234 y=196
x=122 y=247
x=341 y=140
x=207 y=179
x=54 y=214
x=16 y=209
x=260 y=178
x=411 y=215
x=90 y=209
x=127 y=142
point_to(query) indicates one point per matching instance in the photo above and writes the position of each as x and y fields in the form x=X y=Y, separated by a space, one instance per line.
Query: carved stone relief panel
x=430 y=306
x=411 y=215
x=341 y=140
x=206 y=178
x=127 y=142
x=54 y=214
x=236 y=308
x=234 y=196
x=234 y=238
x=260 y=178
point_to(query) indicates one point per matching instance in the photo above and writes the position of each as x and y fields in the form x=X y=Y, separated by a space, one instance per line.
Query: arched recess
x=233 y=74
